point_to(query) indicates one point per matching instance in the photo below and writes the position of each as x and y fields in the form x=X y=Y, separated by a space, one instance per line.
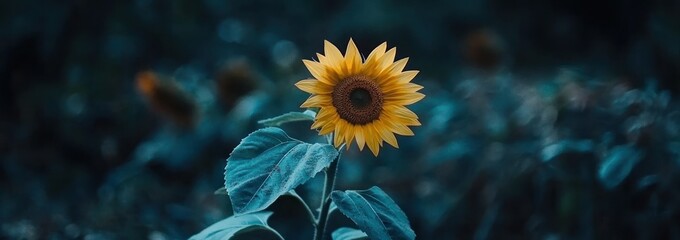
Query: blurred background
x=542 y=120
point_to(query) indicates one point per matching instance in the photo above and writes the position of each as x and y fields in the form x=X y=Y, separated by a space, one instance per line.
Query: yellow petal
x=403 y=98
x=400 y=115
x=349 y=133
x=372 y=140
x=317 y=124
x=314 y=86
x=377 y=52
x=398 y=66
x=332 y=53
x=385 y=134
x=402 y=130
x=325 y=113
x=317 y=101
x=395 y=127
x=352 y=57
x=326 y=129
x=371 y=64
x=325 y=117
x=322 y=58
x=359 y=136
x=396 y=88
x=387 y=59
x=373 y=146
x=317 y=70
x=337 y=137
x=399 y=110
x=408 y=121
x=407 y=76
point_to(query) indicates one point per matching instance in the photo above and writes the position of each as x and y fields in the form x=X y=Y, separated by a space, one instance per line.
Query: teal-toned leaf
x=221 y=191
x=307 y=115
x=647 y=181
x=553 y=151
x=332 y=208
x=674 y=149
x=374 y=212
x=345 y=233
x=269 y=163
x=618 y=163
x=235 y=226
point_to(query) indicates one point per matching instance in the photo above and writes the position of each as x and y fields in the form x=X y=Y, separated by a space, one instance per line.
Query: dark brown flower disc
x=358 y=99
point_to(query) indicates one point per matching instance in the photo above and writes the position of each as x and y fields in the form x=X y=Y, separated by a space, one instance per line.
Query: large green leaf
x=345 y=233
x=375 y=213
x=269 y=163
x=307 y=115
x=236 y=227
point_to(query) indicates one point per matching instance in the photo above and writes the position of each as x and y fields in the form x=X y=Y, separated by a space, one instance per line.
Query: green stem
x=329 y=186
x=275 y=233
x=310 y=214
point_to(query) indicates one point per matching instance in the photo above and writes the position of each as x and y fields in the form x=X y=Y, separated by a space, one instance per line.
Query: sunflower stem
x=328 y=187
x=309 y=211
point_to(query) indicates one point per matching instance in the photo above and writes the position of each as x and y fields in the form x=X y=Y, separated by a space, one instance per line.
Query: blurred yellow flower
x=167 y=98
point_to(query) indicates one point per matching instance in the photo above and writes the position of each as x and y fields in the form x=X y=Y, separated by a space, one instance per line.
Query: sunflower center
x=358 y=99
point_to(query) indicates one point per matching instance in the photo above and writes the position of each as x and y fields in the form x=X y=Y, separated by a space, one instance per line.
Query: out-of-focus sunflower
x=361 y=100
x=167 y=98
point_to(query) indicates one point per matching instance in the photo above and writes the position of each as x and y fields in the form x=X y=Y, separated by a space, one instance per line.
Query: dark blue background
x=86 y=154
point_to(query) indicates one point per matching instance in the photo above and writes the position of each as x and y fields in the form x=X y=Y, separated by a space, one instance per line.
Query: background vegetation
x=542 y=120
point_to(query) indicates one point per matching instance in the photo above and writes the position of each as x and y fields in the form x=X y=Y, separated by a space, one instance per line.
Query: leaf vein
x=269 y=175
x=375 y=212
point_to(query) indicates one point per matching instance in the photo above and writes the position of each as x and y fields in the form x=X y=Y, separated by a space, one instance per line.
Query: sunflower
x=361 y=100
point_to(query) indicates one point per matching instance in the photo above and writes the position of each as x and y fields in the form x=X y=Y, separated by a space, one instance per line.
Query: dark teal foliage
x=542 y=120
x=617 y=164
x=236 y=227
x=349 y=234
x=288 y=117
x=375 y=213
x=268 y=164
